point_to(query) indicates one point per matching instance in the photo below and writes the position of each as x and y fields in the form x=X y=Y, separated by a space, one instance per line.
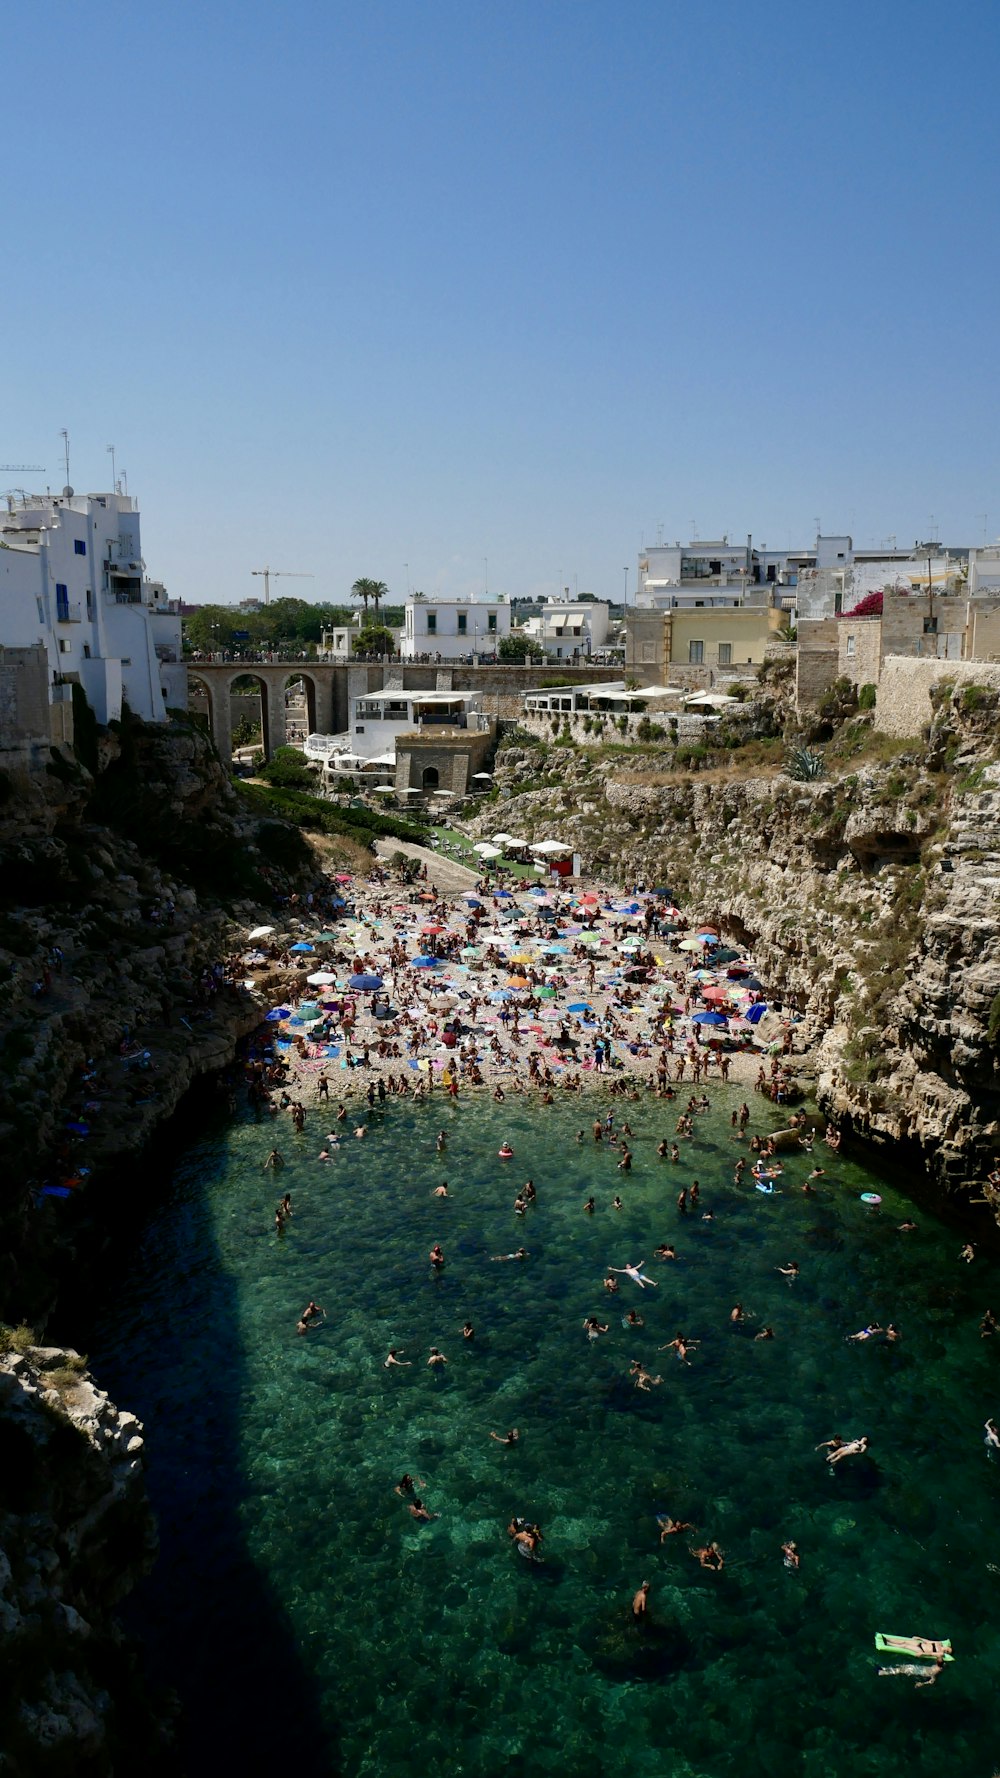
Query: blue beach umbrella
x=755 y=1013
x=580 y=1006
x=278 y=1012
x=709 y=1018
x=425 y=962
x=301 y=946
x=365 y=982
x=501 y=995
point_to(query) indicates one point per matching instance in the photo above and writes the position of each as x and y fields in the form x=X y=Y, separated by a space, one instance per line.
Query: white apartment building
x=570 y=631
x=379 y=717
x=453 y=629
x=72 y=578
x=676 y=576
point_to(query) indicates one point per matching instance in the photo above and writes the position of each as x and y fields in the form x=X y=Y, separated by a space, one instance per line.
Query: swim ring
x=870 y=1198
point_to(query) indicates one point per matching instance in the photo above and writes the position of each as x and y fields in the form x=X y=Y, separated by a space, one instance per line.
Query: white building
x=454 y=629
x=570 y=631
x=379 y=717
x=676 y=576
x=72 y=578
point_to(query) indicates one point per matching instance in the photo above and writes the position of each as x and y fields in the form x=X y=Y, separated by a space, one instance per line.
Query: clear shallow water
x=303 y=1614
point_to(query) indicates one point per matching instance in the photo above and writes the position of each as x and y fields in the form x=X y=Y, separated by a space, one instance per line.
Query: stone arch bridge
x=329 y=688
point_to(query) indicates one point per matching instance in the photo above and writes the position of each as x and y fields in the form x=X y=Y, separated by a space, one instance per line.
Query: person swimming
x=636 y=1274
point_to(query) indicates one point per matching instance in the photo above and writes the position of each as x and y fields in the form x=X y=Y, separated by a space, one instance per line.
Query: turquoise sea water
x=303 y=1615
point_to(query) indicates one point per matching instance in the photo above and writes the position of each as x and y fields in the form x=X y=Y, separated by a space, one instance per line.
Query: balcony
x=68 y=611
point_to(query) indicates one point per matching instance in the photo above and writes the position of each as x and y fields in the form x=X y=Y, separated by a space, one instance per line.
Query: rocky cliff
x=128 y=868
x=75 y=1534
x=869 y=897
x=118 y=890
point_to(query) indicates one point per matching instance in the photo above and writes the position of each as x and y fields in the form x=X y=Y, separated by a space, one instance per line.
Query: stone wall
x=25 y=714
x=815 y=661
x=456 y=757
x=904 y=693
x=678 y=725
x=859 y=651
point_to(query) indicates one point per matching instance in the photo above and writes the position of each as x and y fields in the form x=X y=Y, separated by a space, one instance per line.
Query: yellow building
x=709 y=636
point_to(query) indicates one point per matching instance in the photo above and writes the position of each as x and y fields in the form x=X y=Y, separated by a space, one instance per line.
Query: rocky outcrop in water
x=870 y=898
x=75 y=1535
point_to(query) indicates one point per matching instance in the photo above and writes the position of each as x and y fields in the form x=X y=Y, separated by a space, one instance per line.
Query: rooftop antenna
x=64 y=435
x=659 y=536
x=111 y=454
x=982 y=515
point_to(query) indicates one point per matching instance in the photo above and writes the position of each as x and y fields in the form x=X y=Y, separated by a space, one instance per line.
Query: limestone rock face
x=76 y=1532
x=870 y=898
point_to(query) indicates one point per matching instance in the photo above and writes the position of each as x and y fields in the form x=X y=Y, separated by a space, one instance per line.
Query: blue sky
x=356 y=287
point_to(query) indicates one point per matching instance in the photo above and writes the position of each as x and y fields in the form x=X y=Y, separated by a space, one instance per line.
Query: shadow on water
x=231 y=1653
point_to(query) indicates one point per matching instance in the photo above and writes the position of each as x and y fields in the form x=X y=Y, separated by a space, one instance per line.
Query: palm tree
x=366 y=589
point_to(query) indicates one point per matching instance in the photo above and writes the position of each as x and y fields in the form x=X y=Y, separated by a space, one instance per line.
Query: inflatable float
x=920 y=1646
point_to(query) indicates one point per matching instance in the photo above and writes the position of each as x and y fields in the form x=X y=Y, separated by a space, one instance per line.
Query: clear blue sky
x=428 y=281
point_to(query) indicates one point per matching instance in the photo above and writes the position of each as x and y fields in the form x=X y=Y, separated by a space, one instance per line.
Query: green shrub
x=974 y=697
x=17 y=1339
x=287 y=770
x=866 y=697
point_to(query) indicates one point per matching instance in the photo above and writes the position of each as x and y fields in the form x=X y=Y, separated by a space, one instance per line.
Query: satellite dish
x=67 y=492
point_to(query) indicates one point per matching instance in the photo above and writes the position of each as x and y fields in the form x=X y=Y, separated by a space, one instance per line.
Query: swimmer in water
x=310 y=1317
x=855 y=1447
x=789 y=1271
x=468 y=1331
x=791 y=1555
x=766 y=1333
x=506 y=1438
x=403 y=1363
x=418 y=1511
x=593 y=1327
x=737 y=1313
x=441 y=1142
x=588 y=1208
x=968 y=1253
x=641 y=1377
x=436 y=1256
x=988 y=1325
x=905 y=1228
x=636 y=1274
x=274 y=1162
x=440 y=1191
x=639 y=1601
x=634 y=1319
x=665 y=1252
x=616 y=1203
x=671 y=1527
x=436 y=1357
x=681 y=1346
x=406 y=1485
x=710 y=1556
x=611 y=1286
x=866 y=1333
x=930 y=1674
x=522 y=1253
x=992 y=1439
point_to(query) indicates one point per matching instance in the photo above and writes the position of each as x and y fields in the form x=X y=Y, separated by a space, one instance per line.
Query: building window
x=491 y=623
x=79 y=547
x=850 y=645
x=696 y=653
x=359 y=728
x=432 y=623
x=86 y=652
x=63 y=645
x=463 y=622
x=725 y=654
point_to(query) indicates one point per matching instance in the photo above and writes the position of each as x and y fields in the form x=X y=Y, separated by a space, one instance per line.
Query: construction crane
x=23 y=468
x=278 y=574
